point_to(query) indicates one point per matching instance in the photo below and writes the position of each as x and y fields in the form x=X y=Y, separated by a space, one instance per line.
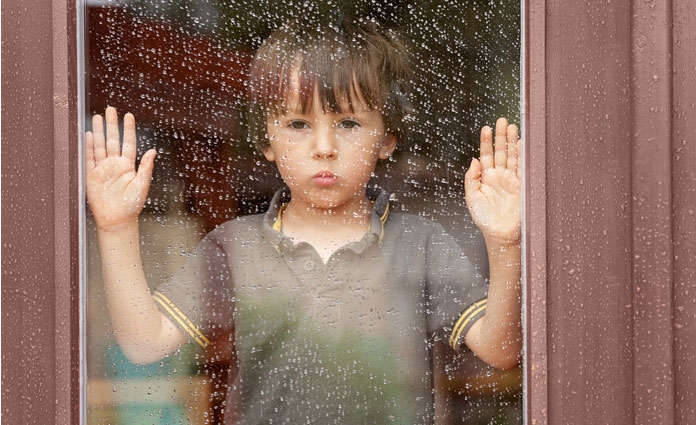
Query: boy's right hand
x=116 y=192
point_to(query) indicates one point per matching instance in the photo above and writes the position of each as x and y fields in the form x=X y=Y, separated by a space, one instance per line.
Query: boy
x=333 y=300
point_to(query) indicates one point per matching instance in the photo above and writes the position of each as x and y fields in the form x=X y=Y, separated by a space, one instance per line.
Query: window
x=180 y=67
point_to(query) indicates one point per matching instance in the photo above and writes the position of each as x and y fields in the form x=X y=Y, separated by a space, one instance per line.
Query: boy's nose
x=325 y=145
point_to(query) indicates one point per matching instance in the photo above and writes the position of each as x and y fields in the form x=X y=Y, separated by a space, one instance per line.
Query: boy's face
x=327 y=158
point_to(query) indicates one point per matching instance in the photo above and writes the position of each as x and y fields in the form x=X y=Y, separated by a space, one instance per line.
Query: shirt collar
x=378 y=217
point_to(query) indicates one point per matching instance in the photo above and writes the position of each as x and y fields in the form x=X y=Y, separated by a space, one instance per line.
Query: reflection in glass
x=180 y=68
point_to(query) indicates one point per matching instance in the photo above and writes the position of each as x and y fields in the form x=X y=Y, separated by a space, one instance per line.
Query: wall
x=611 y=193
x=40 y=262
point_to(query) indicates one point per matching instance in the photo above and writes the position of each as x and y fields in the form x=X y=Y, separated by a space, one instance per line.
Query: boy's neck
x=356 y=214
x=326 y=229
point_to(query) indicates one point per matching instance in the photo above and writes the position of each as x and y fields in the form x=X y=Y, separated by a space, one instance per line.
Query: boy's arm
x=493 y=187
x=116 y=194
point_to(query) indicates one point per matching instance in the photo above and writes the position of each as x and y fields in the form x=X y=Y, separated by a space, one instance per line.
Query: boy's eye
x=349 y=124
x=298 y=125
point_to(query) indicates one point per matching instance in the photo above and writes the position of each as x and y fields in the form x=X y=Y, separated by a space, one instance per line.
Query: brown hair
x=339 y=59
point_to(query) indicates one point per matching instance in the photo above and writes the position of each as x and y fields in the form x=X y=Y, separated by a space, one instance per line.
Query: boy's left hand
x=493 y=185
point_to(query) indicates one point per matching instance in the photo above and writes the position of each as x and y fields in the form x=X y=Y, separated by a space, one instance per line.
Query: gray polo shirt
x=346 y=342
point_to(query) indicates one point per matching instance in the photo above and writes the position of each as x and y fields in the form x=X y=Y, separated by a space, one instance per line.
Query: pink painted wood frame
x=40 y=214
x=611 y=187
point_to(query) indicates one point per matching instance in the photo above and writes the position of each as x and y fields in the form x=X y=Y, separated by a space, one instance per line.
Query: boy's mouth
x=324 y=178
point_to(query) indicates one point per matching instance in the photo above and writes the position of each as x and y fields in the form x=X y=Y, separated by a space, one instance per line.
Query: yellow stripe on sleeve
x=383 y=219
x=180 y=318
x=465 y=320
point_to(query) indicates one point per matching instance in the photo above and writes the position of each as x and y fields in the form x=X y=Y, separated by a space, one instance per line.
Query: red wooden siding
x=683 y=171
x=611 y=189
x=40 y=204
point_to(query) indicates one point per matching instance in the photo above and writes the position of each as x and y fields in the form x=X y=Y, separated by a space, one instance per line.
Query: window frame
x=40 y=226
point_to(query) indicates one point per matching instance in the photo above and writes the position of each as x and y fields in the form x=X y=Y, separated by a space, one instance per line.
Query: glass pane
x=182 y=69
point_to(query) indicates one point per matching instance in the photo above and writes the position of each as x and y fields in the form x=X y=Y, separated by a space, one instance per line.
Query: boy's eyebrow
x=297 y=110
x=297 y=101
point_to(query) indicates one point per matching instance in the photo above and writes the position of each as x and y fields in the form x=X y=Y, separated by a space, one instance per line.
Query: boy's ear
x=388 y=146
x=268 y=153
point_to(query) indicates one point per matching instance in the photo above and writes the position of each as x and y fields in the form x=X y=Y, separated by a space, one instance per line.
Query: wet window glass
x=218 y=293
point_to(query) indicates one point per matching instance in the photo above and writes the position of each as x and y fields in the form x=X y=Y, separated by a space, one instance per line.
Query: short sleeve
x=457 y=289
x=199 y=297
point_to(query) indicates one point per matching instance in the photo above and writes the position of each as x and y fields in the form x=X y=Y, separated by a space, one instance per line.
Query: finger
x=512 y=152
x=472 y=179
x=98 y=132
x=89 y=151
x=129 y=139
x=147 y=164
x=486 y=148
x=113 y=145
x=500 y=143
x=519 y=161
